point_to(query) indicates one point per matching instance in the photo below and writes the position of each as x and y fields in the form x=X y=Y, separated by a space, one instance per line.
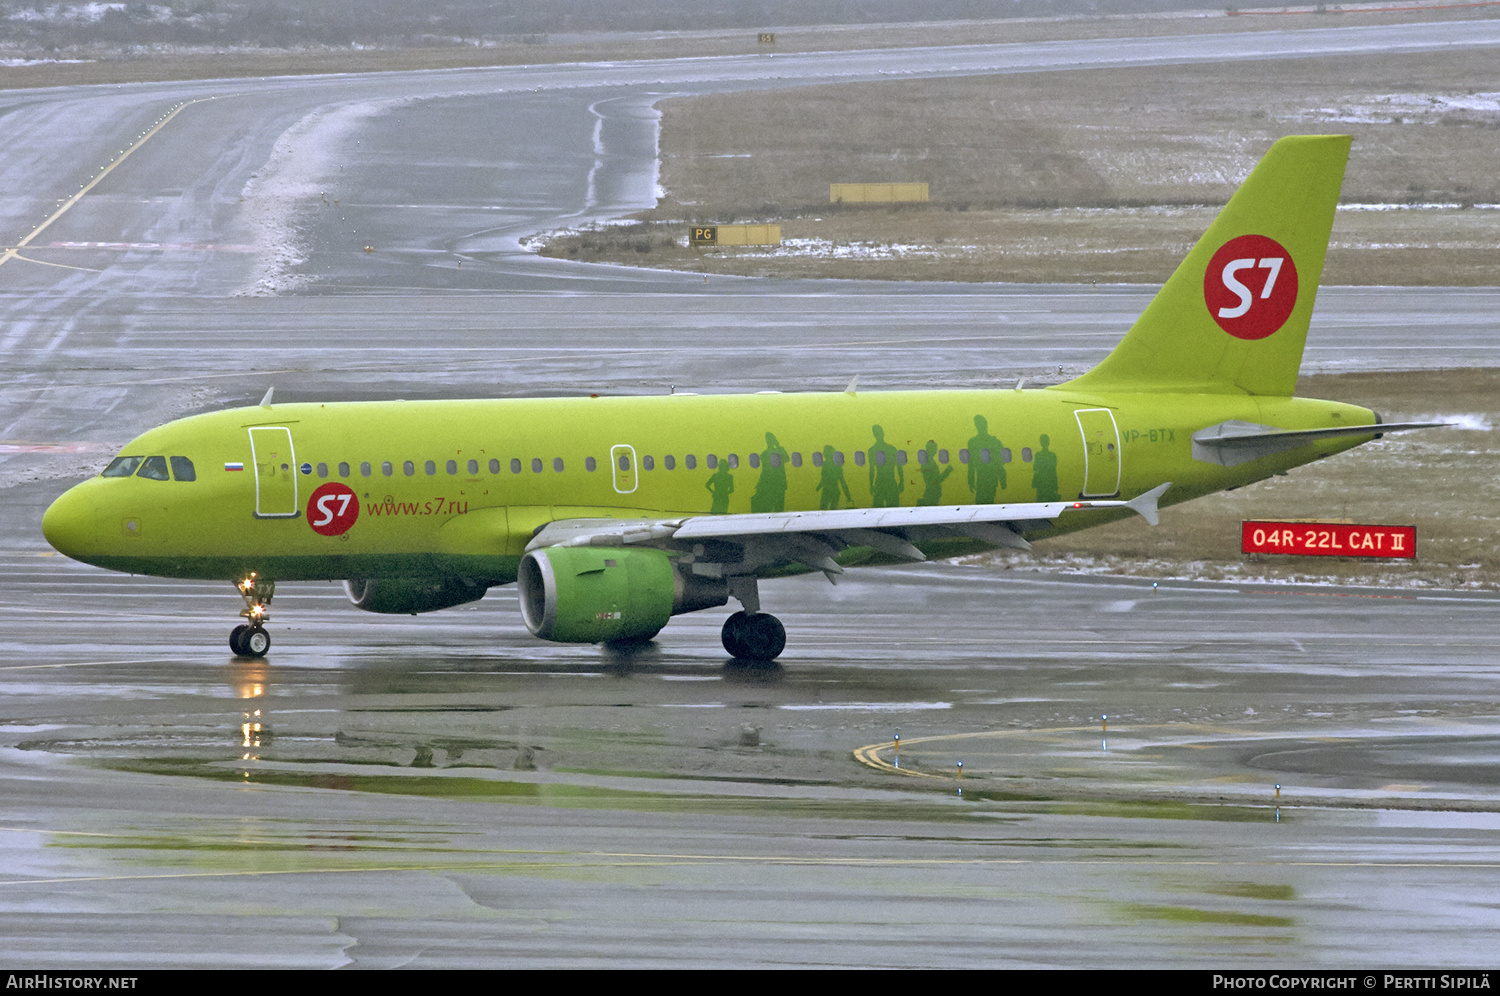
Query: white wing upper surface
x=813 y=537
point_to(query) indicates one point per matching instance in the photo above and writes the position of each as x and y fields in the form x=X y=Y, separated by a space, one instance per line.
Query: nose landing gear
x=250 y=639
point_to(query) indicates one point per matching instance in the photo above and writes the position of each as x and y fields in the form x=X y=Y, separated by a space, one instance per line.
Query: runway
x=446 y=791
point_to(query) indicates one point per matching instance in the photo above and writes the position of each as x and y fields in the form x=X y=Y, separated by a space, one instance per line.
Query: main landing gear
x=754 y=636
x=250 y=639
x=750 y=634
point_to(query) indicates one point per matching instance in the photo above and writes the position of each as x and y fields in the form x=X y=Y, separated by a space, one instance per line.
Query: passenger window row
x=689 y=461
x=156 y=468
x=152 y=468
x=387 y=468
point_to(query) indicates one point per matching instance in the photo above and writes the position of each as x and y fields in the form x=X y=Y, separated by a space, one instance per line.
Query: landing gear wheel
x=756 y=637
x=249 y=641
x=255 y=642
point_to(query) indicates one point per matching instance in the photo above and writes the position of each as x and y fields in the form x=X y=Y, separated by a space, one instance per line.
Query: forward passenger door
x=275 y=464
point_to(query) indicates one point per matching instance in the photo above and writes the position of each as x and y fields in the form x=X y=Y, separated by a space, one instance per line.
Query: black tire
x=732 y=635
x=235 y=636
x=255 y=642
x=765 y=637
x=759 y=637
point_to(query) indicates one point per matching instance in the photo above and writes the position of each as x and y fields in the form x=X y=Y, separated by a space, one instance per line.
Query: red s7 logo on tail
x=332 y=509
x=1251 y=286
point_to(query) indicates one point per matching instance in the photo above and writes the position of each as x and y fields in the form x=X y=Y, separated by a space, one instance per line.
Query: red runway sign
x=1329 y=539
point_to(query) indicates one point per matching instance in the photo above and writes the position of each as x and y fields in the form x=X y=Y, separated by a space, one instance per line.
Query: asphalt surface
x=447 y=791
x=355 y=799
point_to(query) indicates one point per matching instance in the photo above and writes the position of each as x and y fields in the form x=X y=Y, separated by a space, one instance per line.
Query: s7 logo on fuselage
x=1251 y=286
x=332 y=509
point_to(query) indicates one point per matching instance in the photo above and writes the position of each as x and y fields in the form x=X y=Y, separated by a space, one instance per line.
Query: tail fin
x=1233 y=318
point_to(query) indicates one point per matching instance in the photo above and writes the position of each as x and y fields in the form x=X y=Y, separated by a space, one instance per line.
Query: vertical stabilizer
x=1233 y=318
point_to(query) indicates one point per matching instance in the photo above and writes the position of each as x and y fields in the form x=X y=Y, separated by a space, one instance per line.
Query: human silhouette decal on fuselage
x=721 y=485
x=986 y=465
x=1044 y=473
x=770 y=490
x=933 y=477
x=887 y=476
x=832 y=481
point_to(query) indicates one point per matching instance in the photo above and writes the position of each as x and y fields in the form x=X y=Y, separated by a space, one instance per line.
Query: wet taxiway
x=447 y=791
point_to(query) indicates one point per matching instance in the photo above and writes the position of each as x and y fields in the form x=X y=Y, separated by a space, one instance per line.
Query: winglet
x=1145 y=505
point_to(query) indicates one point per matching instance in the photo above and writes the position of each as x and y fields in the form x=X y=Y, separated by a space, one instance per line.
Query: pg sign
x=704 y=235
x=1329 y=539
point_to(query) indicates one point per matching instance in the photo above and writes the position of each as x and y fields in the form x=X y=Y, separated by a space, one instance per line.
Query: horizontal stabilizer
x=1231 y=443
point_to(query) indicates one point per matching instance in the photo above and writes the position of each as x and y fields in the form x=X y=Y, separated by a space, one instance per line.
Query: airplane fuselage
x=434 y=488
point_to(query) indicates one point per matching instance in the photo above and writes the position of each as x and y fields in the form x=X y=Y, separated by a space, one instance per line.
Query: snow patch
x=13 y=63
x=1419 y=108
x=74 y=13
x=296 y=175
x=1434 y=206
x=826 y=249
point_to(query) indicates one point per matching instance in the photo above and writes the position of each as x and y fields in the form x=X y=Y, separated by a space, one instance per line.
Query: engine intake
x=594 y=594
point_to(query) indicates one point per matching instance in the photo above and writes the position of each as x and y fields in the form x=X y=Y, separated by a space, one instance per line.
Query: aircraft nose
x=68 y=524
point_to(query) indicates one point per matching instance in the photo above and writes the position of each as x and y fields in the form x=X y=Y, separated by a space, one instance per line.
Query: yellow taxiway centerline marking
x=870 y=754
x=11 y=251
x=43 y=262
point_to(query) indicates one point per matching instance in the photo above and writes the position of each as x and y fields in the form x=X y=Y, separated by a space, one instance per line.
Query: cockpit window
x=182 y=469
x=154 y=468
x=122 y=466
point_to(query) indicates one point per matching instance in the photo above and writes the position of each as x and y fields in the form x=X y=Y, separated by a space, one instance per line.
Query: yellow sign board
x=735 y=235
x=876 y=193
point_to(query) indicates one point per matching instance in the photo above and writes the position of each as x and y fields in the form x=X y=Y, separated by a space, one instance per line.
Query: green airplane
x=614 y=514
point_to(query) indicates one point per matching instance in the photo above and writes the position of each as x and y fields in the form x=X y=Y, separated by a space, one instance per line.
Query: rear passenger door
x=1101 y=452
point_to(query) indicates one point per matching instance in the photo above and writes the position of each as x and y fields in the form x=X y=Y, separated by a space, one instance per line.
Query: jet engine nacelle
x=594 y=594
x=410 y=595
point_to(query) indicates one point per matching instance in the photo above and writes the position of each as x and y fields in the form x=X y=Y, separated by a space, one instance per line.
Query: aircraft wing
x=813 y=537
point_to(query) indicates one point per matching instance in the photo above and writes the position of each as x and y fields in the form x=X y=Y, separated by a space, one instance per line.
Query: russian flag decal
x=236 y=465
